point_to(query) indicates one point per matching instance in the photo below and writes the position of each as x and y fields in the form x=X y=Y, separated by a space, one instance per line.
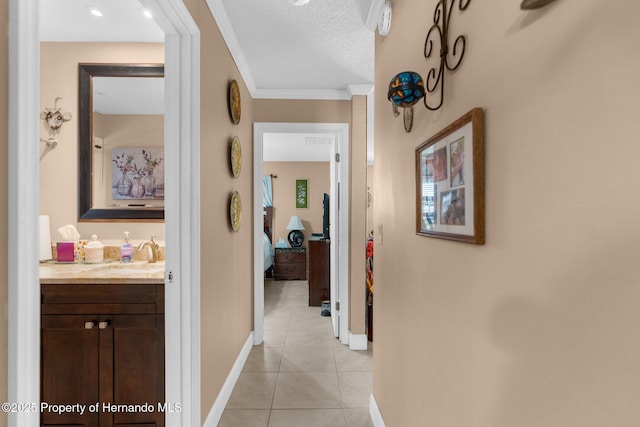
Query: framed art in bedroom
x=302 y=194
x=450 y=182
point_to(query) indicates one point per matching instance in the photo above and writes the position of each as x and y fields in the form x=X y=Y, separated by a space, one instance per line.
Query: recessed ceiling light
x=95 y=11
x=147 y=13
x=299 y=2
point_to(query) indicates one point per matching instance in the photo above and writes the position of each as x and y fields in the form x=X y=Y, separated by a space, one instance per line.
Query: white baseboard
x=357 y=341
x=374 y=412
x=225 y=393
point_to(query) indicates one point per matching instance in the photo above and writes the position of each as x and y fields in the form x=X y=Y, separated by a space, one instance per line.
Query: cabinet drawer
x=102 y=299
x=290 y=257
x=290 y=268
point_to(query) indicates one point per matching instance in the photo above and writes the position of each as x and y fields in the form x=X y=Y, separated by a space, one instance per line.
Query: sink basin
x=136 y=268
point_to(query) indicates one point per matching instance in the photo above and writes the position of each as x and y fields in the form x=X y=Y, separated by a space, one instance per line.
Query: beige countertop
x=108 y=272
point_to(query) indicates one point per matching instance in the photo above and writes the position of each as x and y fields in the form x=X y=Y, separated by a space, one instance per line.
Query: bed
x=269 y=252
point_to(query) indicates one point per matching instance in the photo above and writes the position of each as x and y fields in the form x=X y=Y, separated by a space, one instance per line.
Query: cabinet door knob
x=89 y=325
x=104 y=325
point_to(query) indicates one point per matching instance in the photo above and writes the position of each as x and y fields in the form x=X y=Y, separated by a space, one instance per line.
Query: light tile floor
x=302 y=375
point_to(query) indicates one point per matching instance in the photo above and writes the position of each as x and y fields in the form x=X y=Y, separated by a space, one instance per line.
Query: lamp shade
x=295 y=223
x=406 y=88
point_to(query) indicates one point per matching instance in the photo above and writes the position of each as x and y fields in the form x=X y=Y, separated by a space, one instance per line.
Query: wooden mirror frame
x=86 y=72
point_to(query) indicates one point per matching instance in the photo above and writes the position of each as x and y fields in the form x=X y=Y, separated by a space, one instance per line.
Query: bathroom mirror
x=121 y=142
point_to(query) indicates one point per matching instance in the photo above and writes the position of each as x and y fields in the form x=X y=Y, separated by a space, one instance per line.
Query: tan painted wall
x=284 y=195
x=58 y=169
x=539 y=326
x=302 y=111
x=358 y=215
x=227 y=256
x=4 y=214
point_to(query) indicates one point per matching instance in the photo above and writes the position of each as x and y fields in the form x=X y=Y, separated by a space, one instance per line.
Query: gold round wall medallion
x=235 y=211
x=236 y=157
x=235 y=107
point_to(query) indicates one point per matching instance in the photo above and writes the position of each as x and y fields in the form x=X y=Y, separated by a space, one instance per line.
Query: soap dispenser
x=126 y=250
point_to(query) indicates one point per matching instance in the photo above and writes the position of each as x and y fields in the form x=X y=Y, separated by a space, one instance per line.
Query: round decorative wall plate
x=235 y=107
x=236 y=157
x=235 y=211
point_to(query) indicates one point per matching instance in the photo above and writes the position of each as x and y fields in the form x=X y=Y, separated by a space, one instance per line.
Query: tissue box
x=65 y=251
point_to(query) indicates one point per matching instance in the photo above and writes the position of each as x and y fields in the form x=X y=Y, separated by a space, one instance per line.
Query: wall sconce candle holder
x=53 y=119
x=405 y=90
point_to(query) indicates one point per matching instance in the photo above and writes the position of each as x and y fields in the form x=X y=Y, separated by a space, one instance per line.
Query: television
x=325 y=216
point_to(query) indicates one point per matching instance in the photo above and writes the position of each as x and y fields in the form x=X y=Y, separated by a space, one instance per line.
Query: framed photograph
x=450 y=182
x=302 y=194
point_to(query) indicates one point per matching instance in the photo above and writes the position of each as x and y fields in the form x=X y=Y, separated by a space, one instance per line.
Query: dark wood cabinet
x=319 y=271
x=104 y=345
x=290 y=264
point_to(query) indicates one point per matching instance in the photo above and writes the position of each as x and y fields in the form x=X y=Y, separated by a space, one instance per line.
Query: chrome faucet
x=151 y=244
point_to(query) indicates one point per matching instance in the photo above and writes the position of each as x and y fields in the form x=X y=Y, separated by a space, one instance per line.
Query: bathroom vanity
x=102 y=344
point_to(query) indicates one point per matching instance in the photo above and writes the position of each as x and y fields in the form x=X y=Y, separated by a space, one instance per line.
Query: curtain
x=267 y=191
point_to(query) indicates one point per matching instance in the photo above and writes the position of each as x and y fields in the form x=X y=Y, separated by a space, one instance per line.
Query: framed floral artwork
x=302 y=194
x=137 y=173
x=450 y=182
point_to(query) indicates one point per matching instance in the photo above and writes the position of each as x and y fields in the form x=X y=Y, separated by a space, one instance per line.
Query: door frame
x=339 y=213
x=182 y=212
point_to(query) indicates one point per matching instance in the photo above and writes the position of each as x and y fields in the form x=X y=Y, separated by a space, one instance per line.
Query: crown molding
x=229 y=35
x=359 y=89
x=374 y=14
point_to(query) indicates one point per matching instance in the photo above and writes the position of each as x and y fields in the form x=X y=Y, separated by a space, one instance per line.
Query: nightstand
x=290 y=264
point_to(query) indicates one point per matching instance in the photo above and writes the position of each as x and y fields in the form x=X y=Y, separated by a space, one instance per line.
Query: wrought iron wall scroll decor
x=450 y=57
x=407 y=87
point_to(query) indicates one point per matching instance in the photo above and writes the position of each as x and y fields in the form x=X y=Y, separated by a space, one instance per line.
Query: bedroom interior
x=280 y=206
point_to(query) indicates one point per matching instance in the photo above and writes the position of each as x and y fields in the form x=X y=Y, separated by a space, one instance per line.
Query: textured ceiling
x=323 y=45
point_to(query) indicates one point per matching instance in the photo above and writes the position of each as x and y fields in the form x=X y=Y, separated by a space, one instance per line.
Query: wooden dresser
x=290 y=264
x=319 y=271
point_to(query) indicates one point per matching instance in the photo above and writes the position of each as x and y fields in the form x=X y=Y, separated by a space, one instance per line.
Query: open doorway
x=339 y=189
x=182 y=211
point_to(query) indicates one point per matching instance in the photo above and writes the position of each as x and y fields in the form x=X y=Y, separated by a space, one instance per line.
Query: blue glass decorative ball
x=406 y=88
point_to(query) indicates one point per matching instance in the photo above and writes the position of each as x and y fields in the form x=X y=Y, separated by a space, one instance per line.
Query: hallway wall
x=226 y=256
x=539 y=326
